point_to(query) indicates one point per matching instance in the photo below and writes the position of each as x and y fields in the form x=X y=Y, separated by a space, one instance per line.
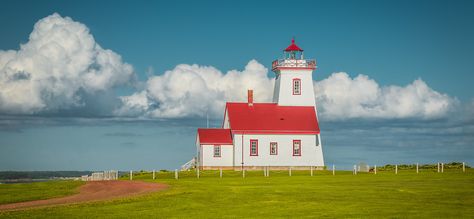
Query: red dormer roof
x=270 y=118
x=215 y=136
x=293 y=47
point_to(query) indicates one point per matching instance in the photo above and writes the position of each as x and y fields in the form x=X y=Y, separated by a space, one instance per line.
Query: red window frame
x=214 y=150
x=276 y=149
x=299 y=142
x=293 y=86
x=256 y=147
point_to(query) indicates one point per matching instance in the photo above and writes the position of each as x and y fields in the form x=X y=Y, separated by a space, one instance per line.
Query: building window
x=273 y=148
x=296 y=147
x=296 y=86
x=253 y=147
x=317 y=140
x=217 y=151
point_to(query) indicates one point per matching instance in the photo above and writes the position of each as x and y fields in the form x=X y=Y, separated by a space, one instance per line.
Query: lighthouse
x=278 y=135
x=294 y=82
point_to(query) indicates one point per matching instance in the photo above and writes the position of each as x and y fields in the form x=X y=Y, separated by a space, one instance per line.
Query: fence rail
x=101 y=176
x=290 y=172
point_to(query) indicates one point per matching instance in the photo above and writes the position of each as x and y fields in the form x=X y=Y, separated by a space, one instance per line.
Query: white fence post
x=396 y=168
x=176 y=173
x=197 y=172
x=311 y=170
x=264 y=171
x=154 y=177
x=289 y=171
x=417 y=171
x=268 y=171
x=220 y=172
x=438 y=167
x=333 y=170
x=131 y=175
x=375 y=169
x=442 y=167
x=463 y=167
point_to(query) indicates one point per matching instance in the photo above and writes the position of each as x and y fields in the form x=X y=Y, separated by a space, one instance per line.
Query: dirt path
x=93 y=191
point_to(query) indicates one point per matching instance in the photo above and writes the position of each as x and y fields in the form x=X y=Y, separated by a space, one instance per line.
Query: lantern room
x=293 y=51
x=293 y=57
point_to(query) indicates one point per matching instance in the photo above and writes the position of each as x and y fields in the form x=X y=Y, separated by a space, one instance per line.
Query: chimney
x=250 y=97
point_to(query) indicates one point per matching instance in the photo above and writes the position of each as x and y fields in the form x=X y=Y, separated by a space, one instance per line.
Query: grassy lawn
x=424 y=195
x=10 y=193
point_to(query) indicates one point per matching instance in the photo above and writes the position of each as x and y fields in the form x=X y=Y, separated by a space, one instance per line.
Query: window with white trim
x=273 y=148
x=296 y=147
x=217 y=151
x=253 y=147
x=296 y=86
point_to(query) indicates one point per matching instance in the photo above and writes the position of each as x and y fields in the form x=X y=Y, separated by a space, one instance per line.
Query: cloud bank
x=342 y=97
x=60 y=67
x=193 y=90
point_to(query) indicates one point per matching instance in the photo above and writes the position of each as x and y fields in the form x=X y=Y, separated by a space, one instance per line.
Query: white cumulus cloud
x=60 y=63
x=193 y=90
x=342 y=97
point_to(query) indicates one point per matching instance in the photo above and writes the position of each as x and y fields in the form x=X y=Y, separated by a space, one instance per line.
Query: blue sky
x=392 y=43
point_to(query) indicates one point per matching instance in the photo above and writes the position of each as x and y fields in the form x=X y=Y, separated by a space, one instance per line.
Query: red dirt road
x=93 y=191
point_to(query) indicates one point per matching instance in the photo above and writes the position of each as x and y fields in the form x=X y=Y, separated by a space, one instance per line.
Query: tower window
x=217 y=151
x=253 y=147
x=296 y=147
x=296 y=86
x=273 y=148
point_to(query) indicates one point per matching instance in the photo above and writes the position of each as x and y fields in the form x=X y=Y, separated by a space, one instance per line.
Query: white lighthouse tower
x=294 y=82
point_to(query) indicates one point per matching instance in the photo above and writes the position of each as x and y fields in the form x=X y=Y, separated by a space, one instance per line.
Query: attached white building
x=281 y=134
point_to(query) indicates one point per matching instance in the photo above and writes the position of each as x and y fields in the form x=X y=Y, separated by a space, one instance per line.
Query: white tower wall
x=283 y=93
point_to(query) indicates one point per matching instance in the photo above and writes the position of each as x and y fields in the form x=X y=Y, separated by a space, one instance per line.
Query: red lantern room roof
x=293 y=47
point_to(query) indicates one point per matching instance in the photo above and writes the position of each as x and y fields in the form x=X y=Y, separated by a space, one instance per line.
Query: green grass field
x=10 y=193
x=407 y=194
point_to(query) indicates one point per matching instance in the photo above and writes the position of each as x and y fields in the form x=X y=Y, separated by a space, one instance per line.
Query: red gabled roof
x=293 y=47
x=267 y=118
x=214 y=136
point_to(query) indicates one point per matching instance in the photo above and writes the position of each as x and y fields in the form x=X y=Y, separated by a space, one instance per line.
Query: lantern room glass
x=293 y=54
